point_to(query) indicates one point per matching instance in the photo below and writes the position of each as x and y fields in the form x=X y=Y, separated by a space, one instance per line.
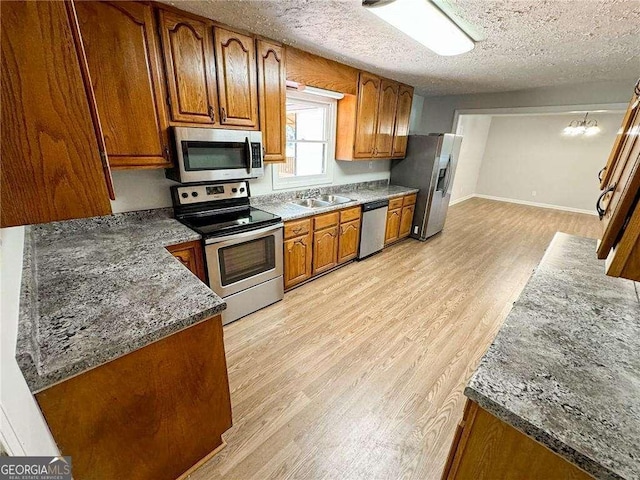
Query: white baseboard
x=462 y=199
x=534 y=204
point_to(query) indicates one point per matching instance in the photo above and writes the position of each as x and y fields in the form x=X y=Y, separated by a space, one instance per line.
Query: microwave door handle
x=249 y=155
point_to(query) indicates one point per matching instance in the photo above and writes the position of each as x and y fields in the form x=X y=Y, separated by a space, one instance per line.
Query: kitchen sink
x=312 y=203
x=322 y=201
x=334 y=199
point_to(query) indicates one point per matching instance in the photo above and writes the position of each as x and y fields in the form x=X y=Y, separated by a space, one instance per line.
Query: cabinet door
x=119 y=39
x=386 y=119
x=366 y=115
x=297 y=260
x=236 y=65
x=406 y=221
x=51 y=166
x=624 y=185
x=272 y=93
x=393 y=226
x=349 y=241
x=190 y=255
x=325 y=249
x=190 y=66
x=401 y=129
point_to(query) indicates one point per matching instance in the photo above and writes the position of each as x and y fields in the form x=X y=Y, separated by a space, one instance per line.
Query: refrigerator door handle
x=445 y=190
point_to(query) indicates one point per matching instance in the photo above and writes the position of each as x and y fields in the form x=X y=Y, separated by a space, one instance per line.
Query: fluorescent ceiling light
x=425 y=23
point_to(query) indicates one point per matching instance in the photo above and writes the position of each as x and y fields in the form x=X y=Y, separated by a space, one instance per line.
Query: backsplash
x=280 y=197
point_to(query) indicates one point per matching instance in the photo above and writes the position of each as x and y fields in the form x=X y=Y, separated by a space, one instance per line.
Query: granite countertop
x=288 y=211
x=565 y=366
x=98 y=288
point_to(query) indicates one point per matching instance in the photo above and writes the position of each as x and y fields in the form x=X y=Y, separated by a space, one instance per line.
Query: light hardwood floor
x=360 y=374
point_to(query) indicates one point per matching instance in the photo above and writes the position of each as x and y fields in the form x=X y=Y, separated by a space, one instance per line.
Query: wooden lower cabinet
x=325 y=249
x=318 y=244
x=485 y=447
x=406 y=221
x=349 y=241
x=191 y=256
x=298 y=254
x=392 y=231
x=399 y=218
x=151 y=414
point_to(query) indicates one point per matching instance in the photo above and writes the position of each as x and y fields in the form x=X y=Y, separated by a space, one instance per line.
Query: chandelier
x=582 y=127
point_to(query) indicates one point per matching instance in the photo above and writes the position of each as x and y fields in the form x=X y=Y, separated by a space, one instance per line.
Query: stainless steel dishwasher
x=374 y=223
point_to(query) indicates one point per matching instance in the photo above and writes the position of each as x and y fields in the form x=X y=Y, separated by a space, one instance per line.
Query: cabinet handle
x=224 y=115
x=601 y=211
x=601 y=173
x=212 y=114
x=165 y=152
x=297 y=230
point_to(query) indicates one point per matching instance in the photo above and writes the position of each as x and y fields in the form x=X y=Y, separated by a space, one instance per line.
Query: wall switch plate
x=415 y=230
x=533 y=193
x=370 y=165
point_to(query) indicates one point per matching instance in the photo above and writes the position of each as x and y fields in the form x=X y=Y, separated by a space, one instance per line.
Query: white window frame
x=330 y=126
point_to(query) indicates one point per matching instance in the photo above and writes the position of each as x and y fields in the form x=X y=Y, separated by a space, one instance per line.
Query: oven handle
x=249 y=155
x=245 y=235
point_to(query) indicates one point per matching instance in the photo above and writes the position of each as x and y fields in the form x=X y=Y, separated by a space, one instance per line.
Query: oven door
x=206 y=154
x=240 y=261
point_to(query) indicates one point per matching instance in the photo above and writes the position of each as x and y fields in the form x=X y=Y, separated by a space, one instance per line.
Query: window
x=310 y=132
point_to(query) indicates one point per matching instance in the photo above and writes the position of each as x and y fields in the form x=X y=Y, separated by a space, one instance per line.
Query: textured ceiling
x=522 y=43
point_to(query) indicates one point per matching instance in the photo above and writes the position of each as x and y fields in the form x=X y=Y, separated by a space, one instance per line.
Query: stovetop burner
x=220 y=224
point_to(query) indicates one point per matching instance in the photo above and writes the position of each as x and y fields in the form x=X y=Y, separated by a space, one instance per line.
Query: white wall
x=146 y=189
x=527 y=154
x=475 y=131
x=22 y=427
x=438 y=112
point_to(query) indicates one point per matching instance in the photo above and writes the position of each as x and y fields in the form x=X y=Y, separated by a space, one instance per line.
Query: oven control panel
x=190 y=194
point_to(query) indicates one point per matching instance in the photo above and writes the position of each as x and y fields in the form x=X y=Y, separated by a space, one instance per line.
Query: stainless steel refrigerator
x=430 y=165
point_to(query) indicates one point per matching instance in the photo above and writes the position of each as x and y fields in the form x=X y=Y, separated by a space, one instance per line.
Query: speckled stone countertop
x=98 y=288
x=289 y=211
x=565 y=366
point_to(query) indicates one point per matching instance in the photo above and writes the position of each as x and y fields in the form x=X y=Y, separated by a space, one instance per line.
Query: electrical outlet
x=415 y=230
x=370 y=165
x=533 y=193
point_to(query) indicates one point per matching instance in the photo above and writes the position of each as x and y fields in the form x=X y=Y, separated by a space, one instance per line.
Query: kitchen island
x=564 y=370
x=122 y=346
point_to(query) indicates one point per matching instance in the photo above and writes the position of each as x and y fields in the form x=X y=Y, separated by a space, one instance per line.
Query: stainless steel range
x=242 y=244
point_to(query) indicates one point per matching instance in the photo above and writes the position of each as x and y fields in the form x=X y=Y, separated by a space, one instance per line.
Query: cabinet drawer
x=297 y=228
x=409 y=199
x=326 y=220
x=350 y=214
x=395 y=203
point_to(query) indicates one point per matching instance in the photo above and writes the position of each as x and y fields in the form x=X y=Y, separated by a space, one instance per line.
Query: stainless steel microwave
x=205 y=154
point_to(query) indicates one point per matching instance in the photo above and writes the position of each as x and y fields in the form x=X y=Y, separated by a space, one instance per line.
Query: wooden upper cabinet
x=401 y=129
x=189 y=61
x=272 y=94
x=119 y=39
x=374 y=123
x=236 y=69
x=51 y=166
x=366 y=115
x=620 y=195
x=386 y=119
